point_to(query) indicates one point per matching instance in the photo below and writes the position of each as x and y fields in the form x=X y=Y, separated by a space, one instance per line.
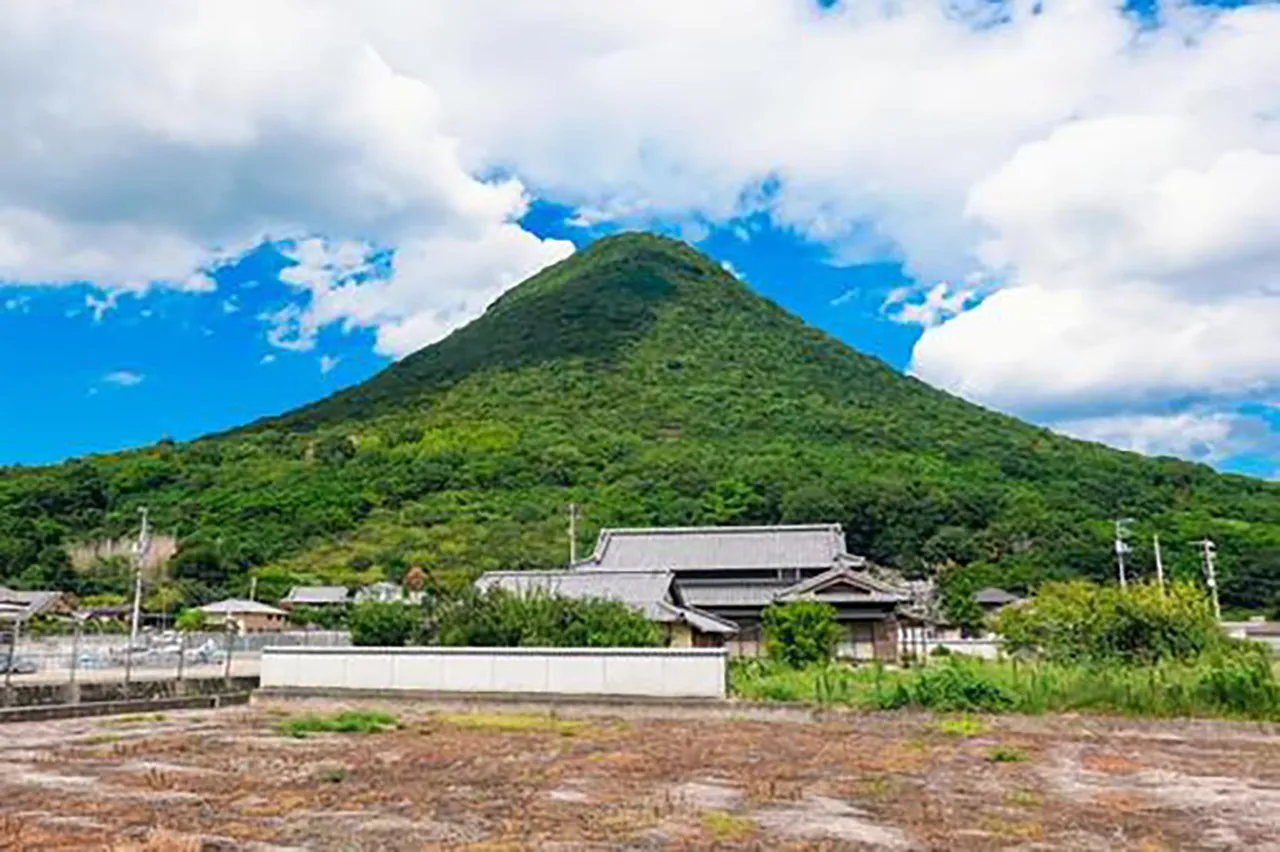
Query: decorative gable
x=842 y=584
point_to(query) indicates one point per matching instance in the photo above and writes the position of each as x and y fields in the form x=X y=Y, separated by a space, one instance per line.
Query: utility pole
x=139 y=554
x=253 y=588
x=1208 y=552
x=573 y=534
x=1122 y=547
x=1155 y=541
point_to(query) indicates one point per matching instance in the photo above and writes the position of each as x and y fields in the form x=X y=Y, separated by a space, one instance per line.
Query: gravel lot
x=230 y=780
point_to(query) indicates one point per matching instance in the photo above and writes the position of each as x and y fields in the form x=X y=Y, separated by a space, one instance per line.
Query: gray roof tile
x=318 y=595
x=710 y=548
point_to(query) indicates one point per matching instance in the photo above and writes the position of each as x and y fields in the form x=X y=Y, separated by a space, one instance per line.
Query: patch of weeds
x=1010 y=828
x=1006 y=754
x=101 y=739
x=157 y=779
x=512 y=723
x=334 y=776
x=964 y=726
x=877 y=786
x=1022 y=799
x=915 y=744
x=347 y=722
x=725 y=827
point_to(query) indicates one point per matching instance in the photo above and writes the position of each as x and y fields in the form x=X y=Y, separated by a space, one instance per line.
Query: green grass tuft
x=1006 y=754
x=347 y=722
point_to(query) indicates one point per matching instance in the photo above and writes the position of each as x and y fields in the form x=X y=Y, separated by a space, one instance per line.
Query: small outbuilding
x=245 y=616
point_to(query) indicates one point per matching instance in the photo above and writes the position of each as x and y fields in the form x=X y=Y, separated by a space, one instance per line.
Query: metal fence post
x=8 y=668
x=73 y=689
x=75 y=651
x=226 y=671
x=182 y=653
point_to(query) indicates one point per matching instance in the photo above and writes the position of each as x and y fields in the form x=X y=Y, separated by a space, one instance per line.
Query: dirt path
x=228 y=780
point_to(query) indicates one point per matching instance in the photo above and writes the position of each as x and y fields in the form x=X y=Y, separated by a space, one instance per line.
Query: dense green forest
x=641 y=381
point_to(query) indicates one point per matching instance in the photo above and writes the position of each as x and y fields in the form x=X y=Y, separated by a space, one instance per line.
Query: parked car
x=19 y=665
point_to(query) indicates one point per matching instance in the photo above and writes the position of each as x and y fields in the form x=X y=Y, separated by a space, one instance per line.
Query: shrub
x=326 y=617
x=190 y=621
x=1006 y=754
x=382 y=624
x=952 y=685
x=502 y=619
x=1082 y=621
x=347 y=722
x=800 y=633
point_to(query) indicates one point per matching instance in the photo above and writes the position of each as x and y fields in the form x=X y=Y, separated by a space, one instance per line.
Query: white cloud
x=733 y=270
x=1200 y=434
x=123 y=378
x=145 y=142
x=1119 y=181
x=328 y=362
x=269 y=358
x=100 y=306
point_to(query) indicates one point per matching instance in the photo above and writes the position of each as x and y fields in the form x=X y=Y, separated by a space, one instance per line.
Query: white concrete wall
x=651 y=672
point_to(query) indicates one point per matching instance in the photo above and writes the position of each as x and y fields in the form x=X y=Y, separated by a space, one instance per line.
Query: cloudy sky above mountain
x=215 y=209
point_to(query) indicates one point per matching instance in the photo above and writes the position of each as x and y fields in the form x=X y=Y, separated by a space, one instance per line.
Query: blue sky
x=180 y=365
x=1064 y=211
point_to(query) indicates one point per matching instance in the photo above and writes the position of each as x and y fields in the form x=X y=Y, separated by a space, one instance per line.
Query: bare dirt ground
x=228 y=780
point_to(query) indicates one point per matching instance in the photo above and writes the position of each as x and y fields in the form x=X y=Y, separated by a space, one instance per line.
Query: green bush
x=498 y=618
x=346 y=722
x=383 y=624
x=953 y=685
x=800 y=633
x=190 y=621
x=1080 y=621
x=1237 y=683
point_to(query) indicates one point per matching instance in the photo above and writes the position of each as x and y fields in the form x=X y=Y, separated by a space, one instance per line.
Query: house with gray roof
x=653 y=593
x=20 y=606
x=733 y=573
x=244 y=616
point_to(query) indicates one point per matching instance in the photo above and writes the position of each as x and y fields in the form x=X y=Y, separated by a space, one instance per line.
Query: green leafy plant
x=498 y=618
x=383 y=624
x=800 y=633
x=1006 y=754
x=346 y=722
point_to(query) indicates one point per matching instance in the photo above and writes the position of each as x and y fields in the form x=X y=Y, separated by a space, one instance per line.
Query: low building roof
x=16 y=605
x=991 y=596
x=311 y=595
x=236 y=606
x=727 y=548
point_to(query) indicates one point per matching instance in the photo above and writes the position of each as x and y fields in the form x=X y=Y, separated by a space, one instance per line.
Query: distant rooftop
x=311 y=595
x=21 y=605
x=711 y=548
x=235 y=606
x=991 y=596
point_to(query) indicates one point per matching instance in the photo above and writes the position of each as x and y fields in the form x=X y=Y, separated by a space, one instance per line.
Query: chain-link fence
x=87 y=657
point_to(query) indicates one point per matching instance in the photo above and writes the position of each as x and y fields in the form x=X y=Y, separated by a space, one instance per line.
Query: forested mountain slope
x=641 y=381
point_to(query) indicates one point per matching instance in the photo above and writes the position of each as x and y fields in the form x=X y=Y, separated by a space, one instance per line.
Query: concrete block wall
x=646 y=672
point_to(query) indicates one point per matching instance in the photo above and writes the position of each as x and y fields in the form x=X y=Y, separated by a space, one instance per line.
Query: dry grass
x=489 y=780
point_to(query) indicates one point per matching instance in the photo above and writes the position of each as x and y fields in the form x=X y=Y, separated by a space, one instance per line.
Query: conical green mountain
x=642 y=382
